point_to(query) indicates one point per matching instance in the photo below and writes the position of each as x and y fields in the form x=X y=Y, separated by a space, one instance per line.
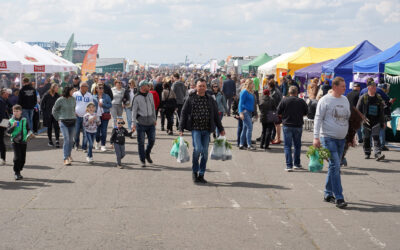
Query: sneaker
x=344 y=162
x=241 y=147
x=201 y=179
x=2 y=162
x=89 y=159
x=85 y=151
x=50 y=144
x=148 y=158
x=258 y=139
x=162 y=128
x=120 y=166
x=251 y=148
x=288 y=169
x=67 y=162
x=379 y=157
x=384 y=148
x=70 y=159
x=195 y=177
x=103 y=149
x=367 y=156
x=143 y=163
x=57 y=144
x=329 y=199
x=360 y=141
x=170 y=132
x=298 y=167
x=97 y=146
x=76 y=148
x=18 y=177
x=341 y=203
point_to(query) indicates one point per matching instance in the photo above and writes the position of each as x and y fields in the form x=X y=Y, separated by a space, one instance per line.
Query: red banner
x=3 y=64
x=39 y=68
x=89 y=62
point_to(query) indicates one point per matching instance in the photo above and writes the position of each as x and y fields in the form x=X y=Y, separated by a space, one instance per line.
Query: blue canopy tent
x=312 y=71
x=343 y=66
x=375 y=65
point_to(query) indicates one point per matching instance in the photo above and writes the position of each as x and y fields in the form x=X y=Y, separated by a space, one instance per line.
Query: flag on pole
x=89 y=62
x=69 y=49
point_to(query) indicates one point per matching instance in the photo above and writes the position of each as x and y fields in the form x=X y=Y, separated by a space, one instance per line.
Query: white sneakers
x=103 y=149
x=89 y=159
x=97 y=146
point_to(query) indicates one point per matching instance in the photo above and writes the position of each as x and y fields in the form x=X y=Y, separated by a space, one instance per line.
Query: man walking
x=180 y=90
x=27 y=99
x=82 y=98
x=229 y=90
x=144 y=121
x=371 y=105
x=331 y=124
x=200 y=115
x=292 y=109
x=353 y=97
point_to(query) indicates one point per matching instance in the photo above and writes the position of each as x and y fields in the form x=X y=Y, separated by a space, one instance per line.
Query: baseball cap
x=143 y=82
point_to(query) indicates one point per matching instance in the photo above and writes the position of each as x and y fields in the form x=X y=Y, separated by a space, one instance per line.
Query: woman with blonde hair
x=246 y=109
x=46 y=106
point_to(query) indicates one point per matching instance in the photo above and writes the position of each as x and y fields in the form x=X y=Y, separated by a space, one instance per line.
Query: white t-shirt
x=81 y=102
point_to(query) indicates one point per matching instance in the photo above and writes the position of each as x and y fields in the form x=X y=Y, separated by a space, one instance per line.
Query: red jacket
x=156 y=99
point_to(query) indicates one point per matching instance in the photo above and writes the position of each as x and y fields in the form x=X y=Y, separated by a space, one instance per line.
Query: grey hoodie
x=179 y=89
x=143 y=111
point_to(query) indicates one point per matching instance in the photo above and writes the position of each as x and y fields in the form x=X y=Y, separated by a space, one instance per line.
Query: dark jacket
x=353 y=97
x=108 y=91
x=3 y=109
x=186 y=114
x=276 y=95
x=292 y=110
x=267 y=104
x=27 y=97
x=118 y=135
x=312 y=108
x=363 y=105
x=46 y=106
x=229 y=88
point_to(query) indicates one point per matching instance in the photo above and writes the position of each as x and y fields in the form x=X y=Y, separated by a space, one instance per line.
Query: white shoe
x=288 y=169
x=2 y=162
x=103 y=148
x=89 y=159
x=97 y=146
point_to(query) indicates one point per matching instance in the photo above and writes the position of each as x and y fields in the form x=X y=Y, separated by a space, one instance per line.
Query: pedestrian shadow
x=246 y=185
x=37 y=167
x=379 y=170
x=157 y=167
x=373 y=207
x=30 y=183
x=40 y=144
x=113 y=152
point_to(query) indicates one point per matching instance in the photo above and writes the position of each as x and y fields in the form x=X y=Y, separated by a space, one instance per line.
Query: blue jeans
x=90 y=139
x=201 y=140
x=68 y=134
x=359 y=134
x=78 y=128
x=292 y=135
x=239 y=131
x=28 y=114
x=142 y=131
x=220 y=115
x=333 y=186
x=245 y=137
x=128 y=112
x=102 y=132
x=382 y=137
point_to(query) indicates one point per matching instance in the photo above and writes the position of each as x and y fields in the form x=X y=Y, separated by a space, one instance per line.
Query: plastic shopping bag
x=183 y=153
x=175 y=149
x=227 y=154
x=315 y=164
x=221 y=149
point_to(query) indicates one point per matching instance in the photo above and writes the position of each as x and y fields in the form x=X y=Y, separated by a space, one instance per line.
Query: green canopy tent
x=392 y=76
x=253 y=65
x=393 y=68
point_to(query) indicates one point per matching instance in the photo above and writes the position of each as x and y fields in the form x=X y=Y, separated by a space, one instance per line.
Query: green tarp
x=255 y=63
x=221 y=63
x=392 y=68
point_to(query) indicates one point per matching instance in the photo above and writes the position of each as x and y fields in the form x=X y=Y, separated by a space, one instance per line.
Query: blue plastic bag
x=315 y=163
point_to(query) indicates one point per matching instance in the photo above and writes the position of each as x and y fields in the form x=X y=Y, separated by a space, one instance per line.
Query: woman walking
x=103 y=105
x=168 y=104
x=246 y=109
x=221 y=103
x=46 y=106
x=267 y=109
x=117 y=105
x=130 y=92
x=64 y=112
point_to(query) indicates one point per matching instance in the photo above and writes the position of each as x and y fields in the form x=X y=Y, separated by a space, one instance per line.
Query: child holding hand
x=90 y=123
x=118 y=140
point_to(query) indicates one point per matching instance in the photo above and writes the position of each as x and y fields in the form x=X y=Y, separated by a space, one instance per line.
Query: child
x=18 y=129
x=90 y=123
x=118 y=140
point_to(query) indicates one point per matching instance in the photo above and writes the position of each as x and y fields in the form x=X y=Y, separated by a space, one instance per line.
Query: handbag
x=106 y=116
x=272 y=117
x=69 y=122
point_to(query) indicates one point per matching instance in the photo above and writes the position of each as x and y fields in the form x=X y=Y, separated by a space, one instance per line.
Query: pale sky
x=168 y=30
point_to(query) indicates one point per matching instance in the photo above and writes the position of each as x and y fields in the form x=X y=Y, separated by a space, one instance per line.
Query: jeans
x=239 y=131
x=229 y=101
x=333 y=186
x=116 y=111
x=53 y=123
x=292 y=135
x=119 y=152
x=78 y=128
x=180 y=106
x=201 y=140
x=128 y=112
x=142 y=131
x=220 y=116
x=90 y=138
x=266 y=134
x=28 y=114
x=2 y=144
x=367 y=136
x=382 y=137
x=102 y=132
x=68 y=134
x=245 y=137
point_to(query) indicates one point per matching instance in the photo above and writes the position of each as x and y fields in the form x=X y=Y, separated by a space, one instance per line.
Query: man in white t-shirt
x=83 y=98
x=331 y=124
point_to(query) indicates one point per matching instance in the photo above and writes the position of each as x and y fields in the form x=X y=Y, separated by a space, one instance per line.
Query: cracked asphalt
x=249 y=202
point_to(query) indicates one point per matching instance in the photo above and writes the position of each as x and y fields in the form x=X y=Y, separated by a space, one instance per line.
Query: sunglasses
x=215 y=87
x=100 y=88
x=122 y=123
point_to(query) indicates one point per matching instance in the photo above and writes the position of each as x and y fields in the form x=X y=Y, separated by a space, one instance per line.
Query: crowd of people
x=195 y=101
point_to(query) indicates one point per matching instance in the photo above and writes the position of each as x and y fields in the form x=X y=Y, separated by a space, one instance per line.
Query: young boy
x=18 y=129
x=118 y=140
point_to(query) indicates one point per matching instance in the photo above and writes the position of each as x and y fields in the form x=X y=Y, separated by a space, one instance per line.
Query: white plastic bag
x=183 y=153
x=218 y=150
x=227 y=154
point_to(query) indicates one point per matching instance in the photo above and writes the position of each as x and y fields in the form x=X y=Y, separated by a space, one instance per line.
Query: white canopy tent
x=9 y=62
x=270 y=67
x=63 y=64
x=41 y=63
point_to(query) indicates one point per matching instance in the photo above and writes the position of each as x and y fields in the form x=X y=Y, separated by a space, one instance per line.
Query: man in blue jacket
x=229 y=90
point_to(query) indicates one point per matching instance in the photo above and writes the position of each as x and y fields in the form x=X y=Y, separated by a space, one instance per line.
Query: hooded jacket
x=143 y=109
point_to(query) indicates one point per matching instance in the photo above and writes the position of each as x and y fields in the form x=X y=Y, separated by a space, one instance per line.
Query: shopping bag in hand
x=183 y=153
x=175 y=149
x=315 y=164
x=218 y=150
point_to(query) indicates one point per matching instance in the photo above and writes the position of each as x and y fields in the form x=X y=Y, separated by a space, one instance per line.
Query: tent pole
x=20 y=80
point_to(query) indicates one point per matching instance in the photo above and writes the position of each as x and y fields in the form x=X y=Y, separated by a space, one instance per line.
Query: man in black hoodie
x=3 y=115
x=27 y=99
